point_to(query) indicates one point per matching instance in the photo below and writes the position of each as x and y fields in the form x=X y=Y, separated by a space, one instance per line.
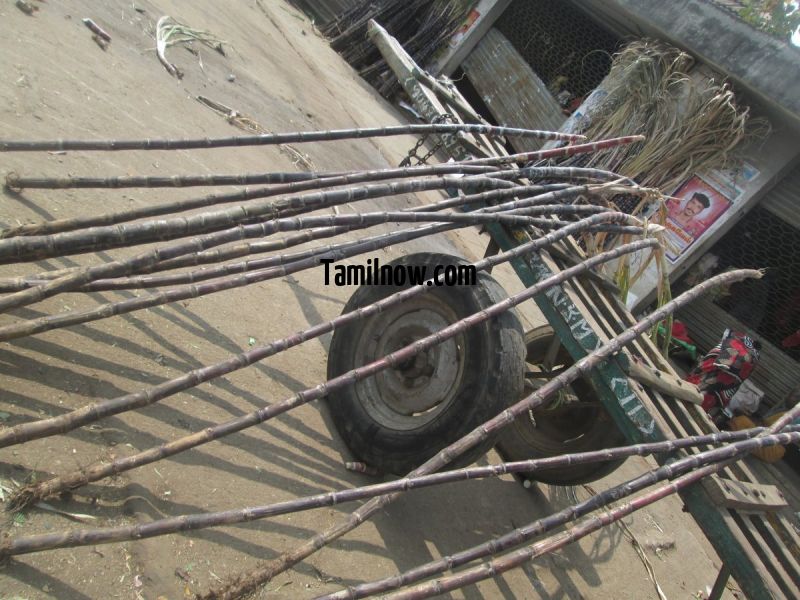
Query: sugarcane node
x=12 y=182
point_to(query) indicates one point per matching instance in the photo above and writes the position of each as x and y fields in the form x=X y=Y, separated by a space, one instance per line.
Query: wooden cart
x=747 y=521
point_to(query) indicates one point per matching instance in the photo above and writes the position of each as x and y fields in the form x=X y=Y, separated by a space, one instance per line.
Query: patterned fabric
x=720 y=372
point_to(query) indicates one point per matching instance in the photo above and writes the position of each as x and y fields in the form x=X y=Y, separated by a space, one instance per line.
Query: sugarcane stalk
x=47 y=323
x=278 y=138
x=16 y=182
x=541 y=526
x=77 y=418
x=564 y=151
x=263 y=573
x=145 y=260
x=217 y=255
x=543 y=194
x=341 y=250
x=193 y=522
x=718 y=459
x=29 y=248
x=13 y=284
x=41 y=234
x=330 y=180
x=40 y=246
x=82 y=277
x=505 y=563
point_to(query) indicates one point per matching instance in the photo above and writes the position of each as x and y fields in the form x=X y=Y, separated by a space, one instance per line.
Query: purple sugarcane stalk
x=340 y=251
x=16 y=182
x=77 y=418
x=276 y=138
x=250 y=581
x=68 y=282
x=192 y=522
x=718 y=459
x=546 y=524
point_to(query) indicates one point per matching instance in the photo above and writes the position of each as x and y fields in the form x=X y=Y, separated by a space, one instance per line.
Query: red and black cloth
x=720 y=372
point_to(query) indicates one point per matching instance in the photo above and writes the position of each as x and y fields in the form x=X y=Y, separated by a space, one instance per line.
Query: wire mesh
x=569 y=51
x=771 y=305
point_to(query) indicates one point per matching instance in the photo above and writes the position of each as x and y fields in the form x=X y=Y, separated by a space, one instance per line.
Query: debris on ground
x=170 y=32
x=360 y=467
x=99 y=31
x=26 y=7
x=237 y=119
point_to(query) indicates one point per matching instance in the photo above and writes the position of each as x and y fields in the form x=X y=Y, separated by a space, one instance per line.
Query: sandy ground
x=56 y=82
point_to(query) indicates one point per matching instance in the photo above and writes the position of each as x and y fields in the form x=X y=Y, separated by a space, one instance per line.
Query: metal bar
x=720 y=583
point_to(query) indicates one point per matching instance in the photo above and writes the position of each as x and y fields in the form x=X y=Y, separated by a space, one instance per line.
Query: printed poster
x=691 y=211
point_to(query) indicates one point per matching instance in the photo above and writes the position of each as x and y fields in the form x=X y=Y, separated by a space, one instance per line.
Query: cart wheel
x=575 y=422
x=401 y=417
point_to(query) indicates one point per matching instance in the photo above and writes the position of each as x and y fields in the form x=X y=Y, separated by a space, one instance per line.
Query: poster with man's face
x=691 y=210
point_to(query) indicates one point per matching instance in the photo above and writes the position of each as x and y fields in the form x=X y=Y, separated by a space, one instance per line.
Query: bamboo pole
x=248 y=582
x=541 y=526
x=193 y=522
x=276 y=138
x=14 y=181
x=77 y=418
x=341 y=250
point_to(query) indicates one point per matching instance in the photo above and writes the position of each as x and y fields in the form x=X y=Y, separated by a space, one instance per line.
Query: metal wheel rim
x=416 y=392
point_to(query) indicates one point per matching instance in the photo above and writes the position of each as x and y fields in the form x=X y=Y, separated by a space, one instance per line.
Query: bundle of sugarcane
x=421 y=26
x=490 y=194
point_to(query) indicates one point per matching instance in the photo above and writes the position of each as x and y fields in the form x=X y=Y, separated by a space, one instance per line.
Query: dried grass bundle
x=689 y=125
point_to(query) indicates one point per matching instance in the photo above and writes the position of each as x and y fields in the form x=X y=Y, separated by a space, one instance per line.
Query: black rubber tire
x=489 y=378
x=577 y=430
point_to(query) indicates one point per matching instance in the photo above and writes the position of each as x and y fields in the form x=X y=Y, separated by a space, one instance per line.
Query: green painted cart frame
x=758 y=546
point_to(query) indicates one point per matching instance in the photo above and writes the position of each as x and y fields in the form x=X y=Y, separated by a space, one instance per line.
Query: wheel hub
x=419 y=388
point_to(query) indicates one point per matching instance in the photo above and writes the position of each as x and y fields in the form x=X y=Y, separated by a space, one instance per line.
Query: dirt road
x=57 y=82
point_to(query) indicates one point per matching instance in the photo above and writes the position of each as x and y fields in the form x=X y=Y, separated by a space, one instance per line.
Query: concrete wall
x=766 y=67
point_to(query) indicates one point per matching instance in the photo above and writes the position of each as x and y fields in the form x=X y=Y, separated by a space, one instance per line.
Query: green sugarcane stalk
x=193 y=522
x=77 y=418
x=276 y=138
x=249 y=582
x=540 y=526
